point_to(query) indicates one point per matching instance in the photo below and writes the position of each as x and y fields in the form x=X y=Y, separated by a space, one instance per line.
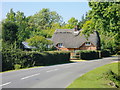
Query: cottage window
x=87 y=43
x=60 y=44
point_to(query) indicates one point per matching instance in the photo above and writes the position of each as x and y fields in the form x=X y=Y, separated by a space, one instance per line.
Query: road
x=56 y=76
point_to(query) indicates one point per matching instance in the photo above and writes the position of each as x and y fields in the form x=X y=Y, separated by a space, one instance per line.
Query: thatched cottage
x=70 y=39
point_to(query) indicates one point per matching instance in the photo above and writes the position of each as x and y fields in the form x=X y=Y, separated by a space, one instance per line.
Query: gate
x=74 y=56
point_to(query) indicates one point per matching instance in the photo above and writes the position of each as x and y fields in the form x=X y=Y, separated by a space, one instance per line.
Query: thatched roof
x=72 y=39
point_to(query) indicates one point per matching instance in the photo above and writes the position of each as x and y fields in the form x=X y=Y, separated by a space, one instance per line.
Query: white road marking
x=30 y=76
x=52 y=70
x=5 y=84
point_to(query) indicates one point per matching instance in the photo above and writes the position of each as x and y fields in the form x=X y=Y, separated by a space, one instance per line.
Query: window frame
x=87 y=43
x=60 y=45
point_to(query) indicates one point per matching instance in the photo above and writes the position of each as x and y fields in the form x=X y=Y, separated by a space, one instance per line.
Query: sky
x=64 y=9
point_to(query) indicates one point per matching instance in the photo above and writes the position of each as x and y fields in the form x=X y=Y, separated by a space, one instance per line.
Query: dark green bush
x=105 y=53
x=8 y=59
x=21 y=59
x=88 y=54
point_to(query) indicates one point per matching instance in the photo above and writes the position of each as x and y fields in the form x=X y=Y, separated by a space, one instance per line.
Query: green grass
x=101 y=77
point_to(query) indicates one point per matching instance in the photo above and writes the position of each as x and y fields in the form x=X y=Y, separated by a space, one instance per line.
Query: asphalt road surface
x=56 y=76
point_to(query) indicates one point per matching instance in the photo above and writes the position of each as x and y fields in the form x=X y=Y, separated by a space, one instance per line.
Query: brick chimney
x=76 y=30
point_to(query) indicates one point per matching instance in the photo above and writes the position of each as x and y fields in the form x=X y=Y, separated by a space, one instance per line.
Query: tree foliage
x=9 y=31
x=71 y=23
x=105 y=15
x=105 y=18
x=45 y=18
x=83 y=20
x=41 y=43
x=17 y=27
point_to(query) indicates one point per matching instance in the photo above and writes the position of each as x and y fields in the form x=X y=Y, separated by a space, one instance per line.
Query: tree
x=83 y=20
x=9 y=27
x=23 y=27
x=88 y=28
x=105 y=15
x=45 y=18
x=104 y=18
x=71 y=23
x=41 y=43
x=16 y=27
x=9 y=32
x=10 y=16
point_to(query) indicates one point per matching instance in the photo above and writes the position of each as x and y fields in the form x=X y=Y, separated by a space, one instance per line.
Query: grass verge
x=106 y=76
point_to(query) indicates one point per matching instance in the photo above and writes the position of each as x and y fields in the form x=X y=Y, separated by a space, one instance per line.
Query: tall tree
x=45 y=18
x=106 y=15
x=10 y=16
x=9 y=32
x=71 y=23
x=105 y=18
x=23 y=27
x=83 y=20
x=15 y=27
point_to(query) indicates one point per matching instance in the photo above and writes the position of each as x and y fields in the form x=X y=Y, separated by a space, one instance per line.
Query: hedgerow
x=92 y=54
x=21 y=59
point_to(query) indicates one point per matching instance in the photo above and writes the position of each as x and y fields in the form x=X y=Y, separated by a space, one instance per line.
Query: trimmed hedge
x=89 y=54
x=105 y=53
x=21 y=59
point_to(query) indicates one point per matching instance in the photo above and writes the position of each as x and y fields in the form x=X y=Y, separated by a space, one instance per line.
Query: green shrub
x=21 y=59
x=105 y=53
x=17 y=66
x=88 y=54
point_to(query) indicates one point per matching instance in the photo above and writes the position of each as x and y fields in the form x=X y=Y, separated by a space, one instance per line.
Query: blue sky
x=65 y=9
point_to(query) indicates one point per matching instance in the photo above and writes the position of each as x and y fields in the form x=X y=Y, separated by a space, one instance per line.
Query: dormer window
x=87 y=43
x=60 y=45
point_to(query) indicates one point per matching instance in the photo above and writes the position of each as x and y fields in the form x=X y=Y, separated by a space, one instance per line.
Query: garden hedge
x=105 y=53
x=89 y=54
x=21 y=59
